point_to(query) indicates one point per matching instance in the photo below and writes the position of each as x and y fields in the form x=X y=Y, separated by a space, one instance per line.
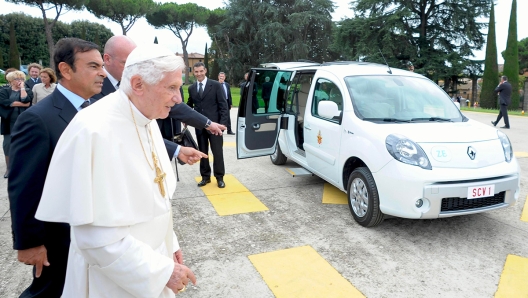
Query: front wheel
x=363 y=198
x=278 y=158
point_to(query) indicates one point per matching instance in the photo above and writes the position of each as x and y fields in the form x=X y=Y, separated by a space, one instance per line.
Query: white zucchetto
x=147 y=52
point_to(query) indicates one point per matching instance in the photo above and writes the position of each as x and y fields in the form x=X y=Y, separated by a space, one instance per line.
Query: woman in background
x=41 y=90
x=13 y=101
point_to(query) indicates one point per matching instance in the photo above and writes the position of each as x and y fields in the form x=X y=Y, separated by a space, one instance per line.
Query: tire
x=278 y=158
x=363 y=198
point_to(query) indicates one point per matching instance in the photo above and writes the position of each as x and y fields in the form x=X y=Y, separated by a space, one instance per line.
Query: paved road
x=454 y=257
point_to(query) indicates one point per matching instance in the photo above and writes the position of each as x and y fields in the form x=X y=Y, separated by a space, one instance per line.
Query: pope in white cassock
x=110 y=178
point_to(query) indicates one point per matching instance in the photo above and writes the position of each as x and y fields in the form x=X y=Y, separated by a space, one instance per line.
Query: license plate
x=481 y=191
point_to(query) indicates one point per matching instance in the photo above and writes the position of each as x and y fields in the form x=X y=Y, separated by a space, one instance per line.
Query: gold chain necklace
x=160 y=175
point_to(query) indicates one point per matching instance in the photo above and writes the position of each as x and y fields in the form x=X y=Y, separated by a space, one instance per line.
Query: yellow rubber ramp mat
x=524 y=215
x=514 y=278
x=332 y=195
x=229 y=144
x=235 y=198
x=301 y=272
x=520 y=154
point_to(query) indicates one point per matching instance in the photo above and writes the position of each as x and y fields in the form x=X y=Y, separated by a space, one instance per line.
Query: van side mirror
x=328 y=109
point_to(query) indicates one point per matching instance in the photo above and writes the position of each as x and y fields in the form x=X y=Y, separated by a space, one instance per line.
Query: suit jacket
x=505 y=92
x=229 y=97
x=30 y=83
x=34 y=137
x=212 y=104
x=180 y=113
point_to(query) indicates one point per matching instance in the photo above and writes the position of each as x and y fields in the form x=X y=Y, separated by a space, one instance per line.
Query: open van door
x=261 y=105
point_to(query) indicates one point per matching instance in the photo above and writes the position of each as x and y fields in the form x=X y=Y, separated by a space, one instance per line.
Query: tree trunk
x=48 y=27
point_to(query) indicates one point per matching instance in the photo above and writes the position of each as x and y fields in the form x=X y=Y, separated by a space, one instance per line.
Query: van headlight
x=407 y=151
x=506 y=146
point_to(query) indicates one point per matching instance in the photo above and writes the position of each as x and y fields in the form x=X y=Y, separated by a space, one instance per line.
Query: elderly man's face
x=164 y=95
x=34 y=72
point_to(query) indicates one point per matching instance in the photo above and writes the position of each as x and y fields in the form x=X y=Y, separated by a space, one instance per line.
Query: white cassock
x=99 y=181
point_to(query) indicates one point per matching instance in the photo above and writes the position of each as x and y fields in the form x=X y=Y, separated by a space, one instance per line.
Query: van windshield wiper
x=387 y=120
x=432 y=119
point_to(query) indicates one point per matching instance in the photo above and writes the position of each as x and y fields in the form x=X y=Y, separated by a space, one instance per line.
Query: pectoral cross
x=160 y=176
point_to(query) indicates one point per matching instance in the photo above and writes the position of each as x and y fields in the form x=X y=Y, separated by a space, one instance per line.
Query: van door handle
x=308 y=127
x=256 y=125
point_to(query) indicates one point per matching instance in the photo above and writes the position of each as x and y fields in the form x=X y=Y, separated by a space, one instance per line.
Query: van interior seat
x=335 y=96
x=302 y=100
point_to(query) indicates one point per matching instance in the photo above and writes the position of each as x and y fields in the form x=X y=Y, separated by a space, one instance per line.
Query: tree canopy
x=438 y=37
x=59 y=7
x=181 y=20
x=250 y=32
x=123 y=12
x=31 y=40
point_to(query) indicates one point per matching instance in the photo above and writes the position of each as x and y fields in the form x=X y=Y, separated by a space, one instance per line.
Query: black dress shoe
x=221 y=184
x=493 y=122
x=204 y=181
x=506 y=127
x=230 y=133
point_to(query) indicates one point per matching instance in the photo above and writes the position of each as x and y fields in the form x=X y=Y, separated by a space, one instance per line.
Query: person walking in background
x=207 y=97
x=505 y=91
x=13 y=101
x=229 y=98
x=34 y=72
x=41 y=90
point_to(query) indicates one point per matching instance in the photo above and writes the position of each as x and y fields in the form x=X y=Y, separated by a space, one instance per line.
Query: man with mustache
x=34 y=136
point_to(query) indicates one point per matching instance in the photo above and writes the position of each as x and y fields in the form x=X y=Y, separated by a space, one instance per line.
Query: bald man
x=116 y=51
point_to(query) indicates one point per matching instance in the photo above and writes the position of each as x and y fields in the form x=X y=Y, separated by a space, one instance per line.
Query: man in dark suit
x=34 y=75
x=116 y=51
x=207 y=97
x=229 y=98
x=505 y=91
x=266 y=93
x=45 y=245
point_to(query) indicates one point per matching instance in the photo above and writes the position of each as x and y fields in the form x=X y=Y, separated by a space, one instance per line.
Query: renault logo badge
x=472 y=153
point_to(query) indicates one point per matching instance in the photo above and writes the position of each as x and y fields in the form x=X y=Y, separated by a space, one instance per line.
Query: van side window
x=326 y=90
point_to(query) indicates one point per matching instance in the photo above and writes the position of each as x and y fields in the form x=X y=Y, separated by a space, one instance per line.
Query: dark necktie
x=35 y=80
x=200 y=90
x=85 y=104
x=118 y=84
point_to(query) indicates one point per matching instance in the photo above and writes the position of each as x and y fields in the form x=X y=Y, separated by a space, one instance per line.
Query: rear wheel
x=363 y=198
x=278 y=158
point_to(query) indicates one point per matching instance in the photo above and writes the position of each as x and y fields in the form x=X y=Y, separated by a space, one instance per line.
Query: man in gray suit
x=505 y=91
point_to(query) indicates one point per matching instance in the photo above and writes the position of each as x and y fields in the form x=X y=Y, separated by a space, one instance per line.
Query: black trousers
x=204 y=139
x=503 y=113
x=51 y=281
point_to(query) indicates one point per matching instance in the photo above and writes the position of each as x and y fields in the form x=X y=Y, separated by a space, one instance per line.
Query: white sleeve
x=128 y=262
x=175 y=244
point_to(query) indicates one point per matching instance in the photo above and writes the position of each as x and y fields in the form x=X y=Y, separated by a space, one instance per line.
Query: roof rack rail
x=306 y=60
x=343 y=62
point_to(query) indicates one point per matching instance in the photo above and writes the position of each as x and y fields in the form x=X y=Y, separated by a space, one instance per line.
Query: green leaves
x=123 y=12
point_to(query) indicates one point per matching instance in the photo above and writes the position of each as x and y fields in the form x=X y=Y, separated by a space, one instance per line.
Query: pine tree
x=511 y=57
x=14 y=55
x=490 y=80
x=155 y=39
x=206 y=59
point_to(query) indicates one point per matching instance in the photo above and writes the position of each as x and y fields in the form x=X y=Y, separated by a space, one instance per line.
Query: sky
x=142 y=32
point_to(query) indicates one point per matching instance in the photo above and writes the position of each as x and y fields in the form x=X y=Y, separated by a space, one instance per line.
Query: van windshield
x=400 y=99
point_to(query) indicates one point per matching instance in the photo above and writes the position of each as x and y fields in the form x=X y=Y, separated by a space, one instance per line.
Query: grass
x=492 y=111
x=235 y=94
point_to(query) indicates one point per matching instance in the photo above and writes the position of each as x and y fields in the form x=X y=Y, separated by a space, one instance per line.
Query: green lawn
x=235 y=94
x=491 y=111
